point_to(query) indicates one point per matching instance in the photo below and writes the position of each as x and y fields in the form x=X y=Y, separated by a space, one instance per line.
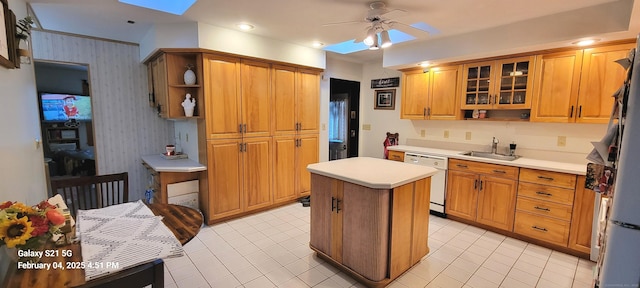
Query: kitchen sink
x=491 y=155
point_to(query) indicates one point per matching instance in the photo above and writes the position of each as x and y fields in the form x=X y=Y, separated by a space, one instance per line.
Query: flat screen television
x=63 y=107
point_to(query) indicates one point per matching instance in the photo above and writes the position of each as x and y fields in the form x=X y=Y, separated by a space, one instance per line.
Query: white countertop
x=571 y=168
x=372 y=172
x=159 y=164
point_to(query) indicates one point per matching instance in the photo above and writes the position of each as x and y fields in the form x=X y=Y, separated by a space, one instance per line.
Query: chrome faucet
x=494 y=146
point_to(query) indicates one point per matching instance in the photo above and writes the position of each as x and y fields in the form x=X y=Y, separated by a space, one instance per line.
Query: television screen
x=63 y=107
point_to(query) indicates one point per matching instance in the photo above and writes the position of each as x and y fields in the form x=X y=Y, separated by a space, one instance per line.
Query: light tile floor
x=271 y=249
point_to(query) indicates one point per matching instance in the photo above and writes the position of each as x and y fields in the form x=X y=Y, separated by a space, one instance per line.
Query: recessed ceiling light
x=245 y=26
x=424 y=64
x=586 y=42
x=317 y=44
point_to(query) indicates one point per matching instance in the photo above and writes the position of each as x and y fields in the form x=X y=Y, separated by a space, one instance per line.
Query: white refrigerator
x=619 y=262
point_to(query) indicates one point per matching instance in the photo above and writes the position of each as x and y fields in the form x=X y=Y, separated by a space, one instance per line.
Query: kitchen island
x=370 y=217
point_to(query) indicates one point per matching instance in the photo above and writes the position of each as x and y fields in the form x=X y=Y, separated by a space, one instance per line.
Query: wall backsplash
x=125 y=126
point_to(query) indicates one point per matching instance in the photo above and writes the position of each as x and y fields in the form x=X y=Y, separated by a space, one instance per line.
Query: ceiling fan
x=380 y=20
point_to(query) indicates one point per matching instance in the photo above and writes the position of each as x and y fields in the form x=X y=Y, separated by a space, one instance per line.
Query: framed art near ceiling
x=385 y=99
x=6 y=39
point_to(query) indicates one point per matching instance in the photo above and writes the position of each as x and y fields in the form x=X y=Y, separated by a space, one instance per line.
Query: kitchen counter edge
x=159 y=164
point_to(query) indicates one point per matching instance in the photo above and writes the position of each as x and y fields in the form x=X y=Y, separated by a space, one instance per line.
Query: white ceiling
x=301 y=21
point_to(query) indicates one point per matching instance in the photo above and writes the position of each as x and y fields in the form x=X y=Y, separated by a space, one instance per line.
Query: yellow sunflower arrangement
x=24 y=227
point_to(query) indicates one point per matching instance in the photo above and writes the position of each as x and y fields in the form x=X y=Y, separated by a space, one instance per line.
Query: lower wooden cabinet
x=582 y=218
x=292 y=154
x=396 y=155
x=239 y=175
x=481 y=192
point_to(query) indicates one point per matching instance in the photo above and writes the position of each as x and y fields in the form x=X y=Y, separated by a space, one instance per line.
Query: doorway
x=344 y=108
x=64 y=101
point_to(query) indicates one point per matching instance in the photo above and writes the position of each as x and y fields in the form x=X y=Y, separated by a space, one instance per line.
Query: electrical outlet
x=562 y=141
x=422 y=133
x=366 y=127
x=324 y=126
x=467 y=135
x=446 y=133
x=187 y=137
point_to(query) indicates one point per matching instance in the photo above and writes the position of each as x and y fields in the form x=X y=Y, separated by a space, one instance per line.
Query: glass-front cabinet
x=500 y=84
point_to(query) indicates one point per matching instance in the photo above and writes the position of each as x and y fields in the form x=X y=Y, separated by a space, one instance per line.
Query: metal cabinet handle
x=540 y=228
x=542 y=208
x=499 y=171
x=333 y=203
x=475 y=184
x=571 y=113
x=429 y=111
x=545 y=178
x=480 y=186
x=240 y=128
x=544 y=193
x=580 y=111
x=462 y=166
x=244 y=128
x=424 y=112
x=240 y=146
x=338 y=205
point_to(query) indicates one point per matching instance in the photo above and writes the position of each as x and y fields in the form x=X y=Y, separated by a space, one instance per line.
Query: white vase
x=188 y=111
x=189 y=77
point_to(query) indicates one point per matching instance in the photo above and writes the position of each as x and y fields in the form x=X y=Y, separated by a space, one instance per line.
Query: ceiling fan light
x=386 y=41
x=371 y=37
x=374 y=45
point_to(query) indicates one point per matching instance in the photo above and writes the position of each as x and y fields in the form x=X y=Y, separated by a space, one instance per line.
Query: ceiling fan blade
x=342 y=23
x=396 y=13
x=408 y=29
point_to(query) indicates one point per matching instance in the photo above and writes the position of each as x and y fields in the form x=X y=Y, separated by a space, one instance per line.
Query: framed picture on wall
x=385 y=99
x=5 y=35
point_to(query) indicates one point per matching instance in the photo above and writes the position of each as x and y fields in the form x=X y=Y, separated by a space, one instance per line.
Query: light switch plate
x=446 y=133
x=467 y=136
x=422 y=133
x=366 y=127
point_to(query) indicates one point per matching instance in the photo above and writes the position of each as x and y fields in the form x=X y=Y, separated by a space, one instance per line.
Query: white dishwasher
x=438 y=181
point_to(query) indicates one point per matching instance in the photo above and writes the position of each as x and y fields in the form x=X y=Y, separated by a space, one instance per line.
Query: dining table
x=184 y=222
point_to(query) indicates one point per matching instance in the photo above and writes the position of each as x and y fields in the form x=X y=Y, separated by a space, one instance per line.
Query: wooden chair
x=91 y=192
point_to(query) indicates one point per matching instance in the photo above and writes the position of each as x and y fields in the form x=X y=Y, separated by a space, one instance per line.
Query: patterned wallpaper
x=125 y=127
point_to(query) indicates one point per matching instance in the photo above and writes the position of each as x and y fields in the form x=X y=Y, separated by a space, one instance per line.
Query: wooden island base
x=374 y=231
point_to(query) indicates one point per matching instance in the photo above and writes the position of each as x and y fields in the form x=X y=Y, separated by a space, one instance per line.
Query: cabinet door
x=307 y=153
x=514 y=83
x=225 y=177
x=582 y=218
x=160 y=85
x=321 y=212
x=308 y=101
x=497 y=202
x=477 y=87
x=415 y=94
x=601 y=77
x=257 y=172
x=222 y=94
x=284 y=161
x=256 y=98
x=284 y=99
x=556 y=90
x=365 y=229
x=444 y=96
x=462 y=194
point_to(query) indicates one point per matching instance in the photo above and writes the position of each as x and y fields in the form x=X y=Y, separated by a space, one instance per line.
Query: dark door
x=344 y=107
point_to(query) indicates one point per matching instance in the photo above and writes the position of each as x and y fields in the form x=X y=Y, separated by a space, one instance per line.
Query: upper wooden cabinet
x=238 y=96
x=431 y=95
x=500 y=84
x=296 y=95
x=577 y=86
x=167 y=89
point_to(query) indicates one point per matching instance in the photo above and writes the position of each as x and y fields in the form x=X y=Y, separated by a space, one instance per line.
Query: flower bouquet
x=25 y=227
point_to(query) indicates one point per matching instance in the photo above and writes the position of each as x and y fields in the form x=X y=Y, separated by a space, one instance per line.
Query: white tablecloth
x=122 y=236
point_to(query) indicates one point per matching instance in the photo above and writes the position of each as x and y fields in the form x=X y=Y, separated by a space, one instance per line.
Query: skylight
x=396 y=36
x=177 y=7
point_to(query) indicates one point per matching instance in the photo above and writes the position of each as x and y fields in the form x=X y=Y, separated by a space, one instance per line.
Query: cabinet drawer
x=484 y=168
x=548 y=178
x=546 y=193
x=544 y=208
x=396 y=155
x=542 y=228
